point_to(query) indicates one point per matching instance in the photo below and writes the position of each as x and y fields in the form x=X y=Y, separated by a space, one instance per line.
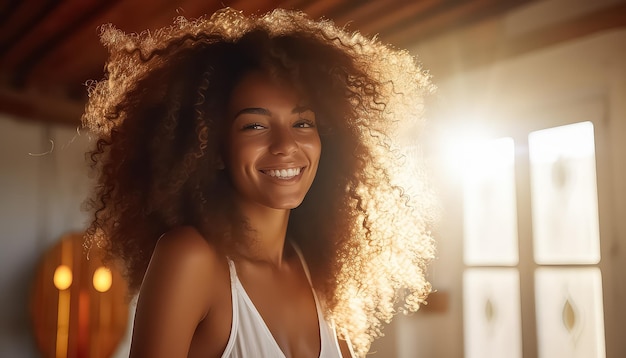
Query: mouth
x=283 y=174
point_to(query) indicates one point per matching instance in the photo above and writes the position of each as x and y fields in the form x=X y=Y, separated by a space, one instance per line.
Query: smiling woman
x=248 y=181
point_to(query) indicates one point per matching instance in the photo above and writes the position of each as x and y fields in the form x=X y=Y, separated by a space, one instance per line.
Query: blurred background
x=525 y=146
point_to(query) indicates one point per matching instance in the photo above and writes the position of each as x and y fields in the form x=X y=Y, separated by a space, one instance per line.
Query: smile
x=283 y=173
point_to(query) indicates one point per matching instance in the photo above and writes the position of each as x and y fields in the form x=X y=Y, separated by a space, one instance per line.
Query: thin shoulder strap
x=234 y=326
x=332 y=325
x=296 y=248
x=232 y=270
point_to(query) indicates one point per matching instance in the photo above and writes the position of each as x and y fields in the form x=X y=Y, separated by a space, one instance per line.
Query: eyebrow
x=266 y=112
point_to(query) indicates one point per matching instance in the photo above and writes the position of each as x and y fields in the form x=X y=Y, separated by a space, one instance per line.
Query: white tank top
x=250 y=336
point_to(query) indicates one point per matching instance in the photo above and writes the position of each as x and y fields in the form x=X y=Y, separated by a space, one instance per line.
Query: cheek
x=235 y=160
x=311 y=145
x=242 y=162
x=315 y=148
x=240 y=151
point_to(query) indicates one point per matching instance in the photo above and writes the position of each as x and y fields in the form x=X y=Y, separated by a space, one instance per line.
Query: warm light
x=488 y=156
x=62 y=277
x=460 y=145
x=564 y=197
x=102 y=279
x=489 y=204
x=571 y=141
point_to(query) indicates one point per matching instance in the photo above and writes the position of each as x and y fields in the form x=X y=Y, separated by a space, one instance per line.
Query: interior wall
x=43 y=182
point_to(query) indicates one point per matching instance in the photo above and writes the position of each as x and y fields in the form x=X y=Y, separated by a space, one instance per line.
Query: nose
x=283 y=142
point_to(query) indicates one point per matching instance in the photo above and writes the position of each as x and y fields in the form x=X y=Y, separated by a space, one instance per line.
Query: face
x=273 y=146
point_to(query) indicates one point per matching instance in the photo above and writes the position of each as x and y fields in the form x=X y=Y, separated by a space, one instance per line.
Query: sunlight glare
x=461 y=149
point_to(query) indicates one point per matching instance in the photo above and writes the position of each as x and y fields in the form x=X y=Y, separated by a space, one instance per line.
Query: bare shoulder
x=185 y=241
x=183 y=257
x=182 y=284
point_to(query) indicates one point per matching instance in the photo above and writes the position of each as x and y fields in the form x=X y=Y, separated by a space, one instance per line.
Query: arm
x=174 y=296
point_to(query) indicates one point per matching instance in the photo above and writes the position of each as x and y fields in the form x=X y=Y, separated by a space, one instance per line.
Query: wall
x=43 y=181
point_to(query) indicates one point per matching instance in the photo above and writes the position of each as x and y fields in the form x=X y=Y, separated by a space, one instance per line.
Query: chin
x=287 y=205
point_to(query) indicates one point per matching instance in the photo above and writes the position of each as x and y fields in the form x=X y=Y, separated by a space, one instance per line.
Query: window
x=564 y=265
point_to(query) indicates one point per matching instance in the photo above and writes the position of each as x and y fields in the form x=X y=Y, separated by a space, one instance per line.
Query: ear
x=219 y=164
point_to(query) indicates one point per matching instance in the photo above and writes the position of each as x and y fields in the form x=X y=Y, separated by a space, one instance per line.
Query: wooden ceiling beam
x=364 y=13
x=30 y=106
x=322 y=8
x=6 y=10
x=469 y=55
x=447 y=19
x=57 y=53
x=295 y=4
x=21 y=18
x=90 y=62
x=400 y=13
x=604 y=19
x=80 y=53
x=51 y=31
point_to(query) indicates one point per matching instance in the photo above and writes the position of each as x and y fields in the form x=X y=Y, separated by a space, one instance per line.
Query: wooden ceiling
x=50 y=48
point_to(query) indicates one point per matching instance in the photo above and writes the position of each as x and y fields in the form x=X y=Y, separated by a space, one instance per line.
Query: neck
x=268 y=231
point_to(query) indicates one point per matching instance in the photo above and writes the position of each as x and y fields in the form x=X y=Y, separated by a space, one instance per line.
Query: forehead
x=257 y=89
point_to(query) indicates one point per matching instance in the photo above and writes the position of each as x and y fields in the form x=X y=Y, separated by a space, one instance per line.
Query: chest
x=284 y=305
x=280 y=308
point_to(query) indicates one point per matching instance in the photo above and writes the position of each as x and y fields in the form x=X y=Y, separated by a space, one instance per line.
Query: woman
x=248 y=182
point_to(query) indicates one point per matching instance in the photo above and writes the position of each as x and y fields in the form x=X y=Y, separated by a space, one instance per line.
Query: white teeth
x=283 y=173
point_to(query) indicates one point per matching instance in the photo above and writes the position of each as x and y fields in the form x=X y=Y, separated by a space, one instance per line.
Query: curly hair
x=159 y=118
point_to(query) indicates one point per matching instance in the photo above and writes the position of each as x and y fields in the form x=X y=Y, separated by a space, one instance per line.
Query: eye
x=305 y=123
x=253 y=126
